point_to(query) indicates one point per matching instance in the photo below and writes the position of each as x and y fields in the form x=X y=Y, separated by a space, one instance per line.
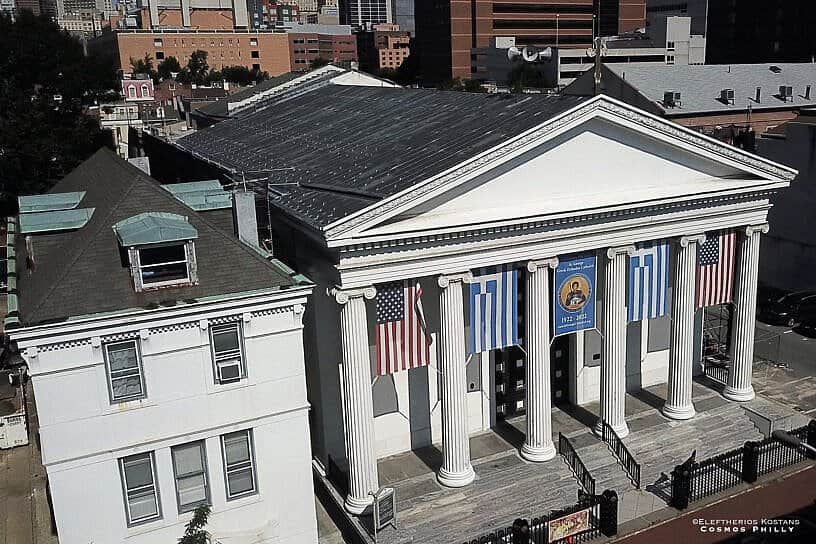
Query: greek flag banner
x=574 y=295
x=649 y=281
x=494 y=310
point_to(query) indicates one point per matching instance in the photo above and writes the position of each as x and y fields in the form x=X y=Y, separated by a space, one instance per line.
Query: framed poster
x=569 y=525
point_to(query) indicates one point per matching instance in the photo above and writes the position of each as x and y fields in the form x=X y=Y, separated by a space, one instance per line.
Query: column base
x=357 y=506
x=456 y=479
x=621 y=430
x=538 y=454
x=679 y=412
x=738 y=395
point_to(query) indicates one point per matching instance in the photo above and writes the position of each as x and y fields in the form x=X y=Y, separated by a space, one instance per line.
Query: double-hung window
x=164 y=265
x=141 y=491
x=190 y=471
x=124 y=368
x=239 y=464
x=227 y=352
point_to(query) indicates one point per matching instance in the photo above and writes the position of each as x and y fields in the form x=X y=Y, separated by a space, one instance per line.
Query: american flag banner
x=494 y=310
x=715 y=269
x=402 y=339
x=649 y=281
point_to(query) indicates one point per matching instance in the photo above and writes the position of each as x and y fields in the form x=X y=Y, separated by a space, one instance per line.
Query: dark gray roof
x=336 y=149
x=81 y=272
x=219 y=107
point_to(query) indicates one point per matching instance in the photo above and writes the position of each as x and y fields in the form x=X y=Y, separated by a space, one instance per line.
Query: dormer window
x=160 y=250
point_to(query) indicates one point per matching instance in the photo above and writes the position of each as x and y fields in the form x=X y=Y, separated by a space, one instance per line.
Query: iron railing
x=716 y=369
x=691 y=481
x=716 y=474
x=601 y=518
x=567 y=451
x=619 y=449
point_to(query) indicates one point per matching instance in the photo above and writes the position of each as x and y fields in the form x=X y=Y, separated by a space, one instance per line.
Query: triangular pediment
x=598 y=161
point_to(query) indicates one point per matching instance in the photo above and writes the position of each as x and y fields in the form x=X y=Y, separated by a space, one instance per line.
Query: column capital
x=762 y=228
x=446 y=279
x=686 y=241
x=342 y=296
x=534 y=266
x=613 y=252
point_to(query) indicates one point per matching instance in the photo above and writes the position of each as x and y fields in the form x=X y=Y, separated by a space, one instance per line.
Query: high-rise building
x=361 y=12
x=448 y=30
x=403 y=13
x=752 y=31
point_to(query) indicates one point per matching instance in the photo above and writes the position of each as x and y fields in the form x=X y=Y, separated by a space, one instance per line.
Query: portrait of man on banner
x=574 y=295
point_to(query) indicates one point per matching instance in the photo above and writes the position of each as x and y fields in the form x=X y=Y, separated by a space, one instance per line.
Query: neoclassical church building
x=400 y=203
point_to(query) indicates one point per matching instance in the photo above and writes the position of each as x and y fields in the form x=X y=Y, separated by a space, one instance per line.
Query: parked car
x=807 y=325
x=767 y=295
x=789 y=309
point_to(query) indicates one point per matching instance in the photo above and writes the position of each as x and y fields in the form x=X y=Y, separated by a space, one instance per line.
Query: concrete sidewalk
x=25 y=517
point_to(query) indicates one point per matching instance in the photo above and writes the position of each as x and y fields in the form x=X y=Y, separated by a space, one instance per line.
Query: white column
x=456 y=469
x=358 y=407
x=681 y=347
x=538 y=444
x=739 y=386
x=613 y=354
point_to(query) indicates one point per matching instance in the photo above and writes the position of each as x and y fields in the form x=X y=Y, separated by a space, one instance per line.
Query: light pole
x=557 y=19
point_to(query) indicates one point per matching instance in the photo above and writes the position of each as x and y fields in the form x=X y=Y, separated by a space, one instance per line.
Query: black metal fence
x=567 y=451
x=691 y=481
x=619 y=449
x=716 y=368
x=589 y=518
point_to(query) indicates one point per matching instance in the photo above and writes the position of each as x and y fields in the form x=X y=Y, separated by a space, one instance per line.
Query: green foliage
x=318 y=62
x=144 y=66
x=169 y=66
x=243 y=75
x=197 y=67
x=46 y=84
x=194 y=532
x=525 y=75
x=459 y=84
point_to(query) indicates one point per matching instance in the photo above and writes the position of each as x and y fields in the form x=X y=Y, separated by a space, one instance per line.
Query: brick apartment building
x=165 y=31
x=383 y=47
x=448 y=30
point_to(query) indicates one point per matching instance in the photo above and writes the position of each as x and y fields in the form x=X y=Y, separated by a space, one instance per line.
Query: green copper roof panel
x=53 y=221
x=50 y=202
x=153 y=228
x=201 y=195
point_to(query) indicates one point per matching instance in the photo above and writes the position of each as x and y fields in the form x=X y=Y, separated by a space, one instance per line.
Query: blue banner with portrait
x=574 y=295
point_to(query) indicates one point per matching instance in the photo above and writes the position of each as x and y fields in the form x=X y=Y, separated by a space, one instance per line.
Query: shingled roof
x=81 y=272
x=336 y=150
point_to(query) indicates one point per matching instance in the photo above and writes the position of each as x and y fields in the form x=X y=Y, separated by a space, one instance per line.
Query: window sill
x=221 y=387
x=126 y=406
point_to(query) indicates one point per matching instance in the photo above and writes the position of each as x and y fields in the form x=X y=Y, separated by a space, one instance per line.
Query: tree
x=197 y=66
x=194 y=532
x=46 y=85
x=168 y=67
x=144 y=66
x=318 y=62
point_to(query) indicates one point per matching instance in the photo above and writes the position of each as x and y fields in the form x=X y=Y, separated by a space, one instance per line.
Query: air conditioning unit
x=785 y=92
x=229 y=370
x=672 y=99
x=727 y=96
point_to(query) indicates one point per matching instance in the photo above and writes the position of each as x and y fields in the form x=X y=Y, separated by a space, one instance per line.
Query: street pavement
x=785 y=367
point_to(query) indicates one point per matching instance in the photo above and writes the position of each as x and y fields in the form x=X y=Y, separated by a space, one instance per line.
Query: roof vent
x=727 y=96
x=807 y=92
x=758 y=95
x=775 y=69
x=671 y=99
x=785 y=93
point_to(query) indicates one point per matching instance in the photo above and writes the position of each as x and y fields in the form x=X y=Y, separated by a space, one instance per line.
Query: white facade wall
x=83 y=435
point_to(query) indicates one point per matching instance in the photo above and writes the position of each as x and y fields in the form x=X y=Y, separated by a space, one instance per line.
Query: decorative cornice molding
x=545 y=224
x=537 y=265
x=342 y=296
x=64 y=345
x=660 y=125
x=763 y=228
x=686 y=241
x=445 y=280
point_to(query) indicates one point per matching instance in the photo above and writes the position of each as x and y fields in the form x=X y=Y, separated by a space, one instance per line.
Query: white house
x=373 y=186
x=166 y=359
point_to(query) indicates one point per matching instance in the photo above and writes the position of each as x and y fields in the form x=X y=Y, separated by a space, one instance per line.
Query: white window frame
x=189 y=249
x=145 y=90
x=131 y=91
x=109 y=375
x=152 y=488
x=240 y=353
x=239 y=467
x=204 y=472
